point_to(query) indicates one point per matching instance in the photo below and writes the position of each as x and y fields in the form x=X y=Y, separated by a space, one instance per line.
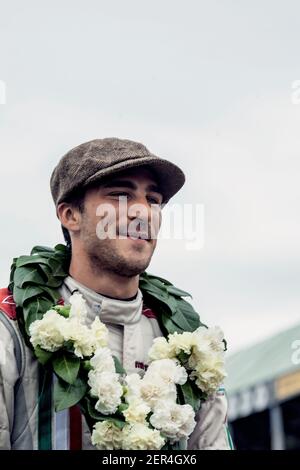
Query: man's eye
x=120 y=193
x=154 y=200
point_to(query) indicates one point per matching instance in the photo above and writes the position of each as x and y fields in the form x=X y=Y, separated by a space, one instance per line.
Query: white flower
x=137 y=411
x=209 y=372
x=99 y=333
x=154 y=388
x=102 y=361
x=78 y=307
x=150 y=389
x=169 y=370
x=107 y=436
x=106 y=387
x=209 y=339
x=207 y=360
x=173 y=421
x=181 y=342
x=49 y=332
x=140 y=437
x=133 y=387
x=86 y=340
x=160 y=349
x=81 y=337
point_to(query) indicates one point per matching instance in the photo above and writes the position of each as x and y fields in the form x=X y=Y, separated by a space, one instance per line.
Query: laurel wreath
x=35 y=281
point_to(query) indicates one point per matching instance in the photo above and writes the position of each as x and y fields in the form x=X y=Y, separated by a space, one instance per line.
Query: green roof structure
x=263 y=362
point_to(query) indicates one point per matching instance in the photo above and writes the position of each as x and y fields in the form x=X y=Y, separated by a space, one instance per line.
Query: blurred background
x=213 y=86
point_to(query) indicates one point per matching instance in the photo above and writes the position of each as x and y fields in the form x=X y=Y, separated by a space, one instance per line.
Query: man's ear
x=69 y=216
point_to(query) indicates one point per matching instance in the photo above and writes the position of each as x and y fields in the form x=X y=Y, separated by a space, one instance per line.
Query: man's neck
x=105 y=283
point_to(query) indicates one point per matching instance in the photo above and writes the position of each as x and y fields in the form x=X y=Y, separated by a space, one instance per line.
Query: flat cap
x=92 y=161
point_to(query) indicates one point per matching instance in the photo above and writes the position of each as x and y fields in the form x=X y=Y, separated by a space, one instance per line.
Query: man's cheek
x=106 y=225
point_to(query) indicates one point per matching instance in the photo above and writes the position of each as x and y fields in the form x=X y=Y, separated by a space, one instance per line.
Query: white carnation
x=181 y=342
x=169 y=371
x=209 y=372
x=49 y=332
x=173 y=421
x=140 y=437
x=154 y=388
x=102 y=361
x=150 y=389
x=160 y=349
x=81 y=337
x=78 y=307
x=107 y=436
x=99 y=333
x=137 y=411
x=106 y=387
x=209 y=339
x=133 y=387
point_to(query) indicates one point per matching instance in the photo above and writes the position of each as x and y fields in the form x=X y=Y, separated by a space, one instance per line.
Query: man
x=88 y=186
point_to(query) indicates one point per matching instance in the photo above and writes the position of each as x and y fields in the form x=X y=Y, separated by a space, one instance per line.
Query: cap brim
x=170 y=177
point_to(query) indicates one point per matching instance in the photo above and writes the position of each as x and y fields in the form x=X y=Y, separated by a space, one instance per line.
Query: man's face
x=109 y=230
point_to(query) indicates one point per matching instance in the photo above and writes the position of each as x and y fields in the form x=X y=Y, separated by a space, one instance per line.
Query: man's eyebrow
x=128 y=184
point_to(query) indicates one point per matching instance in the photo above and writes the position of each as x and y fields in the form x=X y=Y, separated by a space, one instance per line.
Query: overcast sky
x=207 y=84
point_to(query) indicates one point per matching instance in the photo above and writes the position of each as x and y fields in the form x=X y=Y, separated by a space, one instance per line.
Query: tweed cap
x=92 y=161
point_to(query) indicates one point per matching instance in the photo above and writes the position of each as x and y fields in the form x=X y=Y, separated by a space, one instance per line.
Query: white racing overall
x=27 y=423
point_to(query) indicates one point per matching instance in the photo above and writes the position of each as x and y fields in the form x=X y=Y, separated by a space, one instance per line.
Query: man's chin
x=131 y=271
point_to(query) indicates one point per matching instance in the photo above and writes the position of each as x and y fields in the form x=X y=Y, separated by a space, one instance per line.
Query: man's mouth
x=139 y=236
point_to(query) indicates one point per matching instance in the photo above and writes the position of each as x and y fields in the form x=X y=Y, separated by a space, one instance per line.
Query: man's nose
x=149 y=219
x=139 y=207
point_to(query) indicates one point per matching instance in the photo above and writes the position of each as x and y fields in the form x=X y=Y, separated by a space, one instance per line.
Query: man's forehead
x=133 y=173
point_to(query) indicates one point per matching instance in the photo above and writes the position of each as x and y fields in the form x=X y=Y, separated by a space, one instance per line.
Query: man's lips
x=138 y=237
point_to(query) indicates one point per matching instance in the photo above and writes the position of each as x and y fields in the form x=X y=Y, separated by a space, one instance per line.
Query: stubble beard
x=104 y=257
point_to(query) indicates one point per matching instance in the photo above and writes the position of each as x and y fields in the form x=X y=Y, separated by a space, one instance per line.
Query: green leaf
x=57 y=268
x=122 y=407
x=183 y=357
x=53 y=294
x=21 y=295
x=42 y=355
x=186 y=317
x=120 y=423
x=191 y=394
x=50 y=281
x=35 y=310
x=172 y=304
x=63 y=310
x=60 y=247
x=162 y=284
x=178 y=292
x=86 y=365
x=155 y=294
x=25 y=260
x=152 y=276
x=11 y=276
x=169 y=325
x=28 y=274
x=92 y=410
x=153 y=281
x=66 y=395
x=66 y=367
x=45 y=250
x=117 y=422
x=119 y=368
x=183 y=322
